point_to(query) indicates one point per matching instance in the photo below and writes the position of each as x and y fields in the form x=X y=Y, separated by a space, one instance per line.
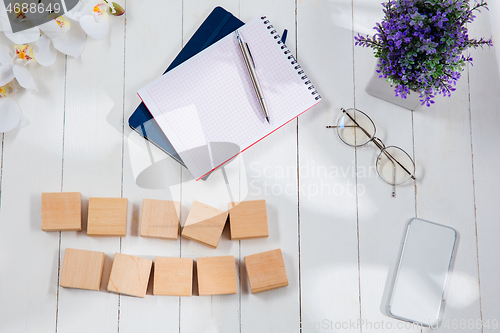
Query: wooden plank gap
x=298 y=179
x=123 y=133
x=124 y=95
x=356 y=162
x=413 y=156
x=474 y=193
x=180 y=213
x=64 y=119
x=62 y=184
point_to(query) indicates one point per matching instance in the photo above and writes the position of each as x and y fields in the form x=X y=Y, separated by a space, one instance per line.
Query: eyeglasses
x=393 y=164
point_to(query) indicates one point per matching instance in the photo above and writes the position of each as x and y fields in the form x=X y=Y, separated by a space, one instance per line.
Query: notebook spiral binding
x=292 y=58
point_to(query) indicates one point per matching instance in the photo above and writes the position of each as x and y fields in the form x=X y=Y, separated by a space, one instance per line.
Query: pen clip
x=250 y=53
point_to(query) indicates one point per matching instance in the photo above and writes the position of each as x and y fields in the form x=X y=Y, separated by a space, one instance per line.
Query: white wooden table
x=339 y=230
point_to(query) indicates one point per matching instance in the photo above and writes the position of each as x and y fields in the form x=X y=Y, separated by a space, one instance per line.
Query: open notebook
x=207 y=106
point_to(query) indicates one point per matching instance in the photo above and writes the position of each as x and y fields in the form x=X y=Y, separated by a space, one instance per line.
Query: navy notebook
x=217 y=25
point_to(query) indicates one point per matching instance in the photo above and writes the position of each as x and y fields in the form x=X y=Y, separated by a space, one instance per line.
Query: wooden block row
x=159 y=218
x=247 y=219
x=172 y=276
x=62 y=211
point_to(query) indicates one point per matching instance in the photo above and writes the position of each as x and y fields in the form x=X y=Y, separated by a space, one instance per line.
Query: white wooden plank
x=484 y=83
x=208 y=313
x=382 y=218
x=31 y=165
x=148 y=172
x=328 y=230
x=93 y=166
x=1 y=166
x=445 y=195
x=275 y=310
x=196 y=11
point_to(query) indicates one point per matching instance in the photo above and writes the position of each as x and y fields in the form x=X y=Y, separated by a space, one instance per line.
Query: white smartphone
x=423 y=268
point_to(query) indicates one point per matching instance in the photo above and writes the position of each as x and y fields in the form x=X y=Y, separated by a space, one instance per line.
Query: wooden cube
x=248 y=219
x=266 y=271
x=160 y=218
x=173 y=276
x=216 y=275
x=82 y=269
x=61 y=211
x=107 y=217
x=130 y=275
x=204 y=224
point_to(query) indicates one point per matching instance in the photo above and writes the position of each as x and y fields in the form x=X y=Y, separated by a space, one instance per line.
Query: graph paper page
x=207 y=106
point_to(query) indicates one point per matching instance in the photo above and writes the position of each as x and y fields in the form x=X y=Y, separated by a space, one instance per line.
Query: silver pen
x=247 y=57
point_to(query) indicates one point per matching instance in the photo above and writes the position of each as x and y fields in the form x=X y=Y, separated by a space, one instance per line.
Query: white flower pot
x=382 y=89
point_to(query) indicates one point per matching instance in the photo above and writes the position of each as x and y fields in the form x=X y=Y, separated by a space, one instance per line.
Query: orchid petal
x=96 y=30
x=10 y=114
x=44 y=52
x=24 y=37
x=25 y=79
x=102 y=16
x=76 y=12
x=51 y=29
x=81 y=10
x=72 y=42
x=6 y=74
x=5 y=56
x=23 y=122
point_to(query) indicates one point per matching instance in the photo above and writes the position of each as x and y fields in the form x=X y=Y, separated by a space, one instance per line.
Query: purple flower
x=420 y=45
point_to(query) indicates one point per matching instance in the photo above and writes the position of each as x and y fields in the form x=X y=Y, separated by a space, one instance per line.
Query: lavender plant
x=420 y=45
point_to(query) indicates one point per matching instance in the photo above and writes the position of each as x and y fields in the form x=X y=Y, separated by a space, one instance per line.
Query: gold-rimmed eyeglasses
x=393 y=164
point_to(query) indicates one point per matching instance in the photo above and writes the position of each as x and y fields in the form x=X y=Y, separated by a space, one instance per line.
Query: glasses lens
x=355 y=128
x=394 y=165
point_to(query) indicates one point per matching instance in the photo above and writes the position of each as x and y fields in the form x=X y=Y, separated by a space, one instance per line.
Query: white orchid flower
x=58 y=34
x=15 y=67
x=66 y=34
x=11 y=116
x=93 y=17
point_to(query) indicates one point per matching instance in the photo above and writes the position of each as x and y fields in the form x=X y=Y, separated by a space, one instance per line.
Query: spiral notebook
x=207 y=106
x=216 y=26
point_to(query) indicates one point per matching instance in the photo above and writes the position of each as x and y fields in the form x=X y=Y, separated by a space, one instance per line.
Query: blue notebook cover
x=216 y=26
